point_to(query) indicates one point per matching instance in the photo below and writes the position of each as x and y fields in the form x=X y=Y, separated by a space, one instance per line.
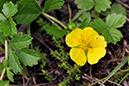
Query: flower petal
x=89 y=32
x=94 y=54
x=78 y=56
x=72 y=38
x=98 y=41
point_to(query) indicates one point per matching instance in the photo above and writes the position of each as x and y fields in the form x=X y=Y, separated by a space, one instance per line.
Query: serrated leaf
x=85 y=4
x=31 y=3
x=9 y=74
x=20 y=41
x=115 y=20
x=8 y=27
x=98 y=25
x=1 y=3
x=118 y=9
x=9 y=9
x=27 y=14
x=102 y=5
x=53 y=5
x=4 y=63
x=27 y=56
x=13 y=61
x=112 y=35
x=2 y=38
x=2 y=17
x=4 y=83
x=55 y=31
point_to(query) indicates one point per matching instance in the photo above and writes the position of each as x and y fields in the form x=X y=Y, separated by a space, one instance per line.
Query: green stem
x=97 y=15
x=29 y=33
x=97 y=81
x=126 y=70
x=25 y=70
x=124 y=78
x=6 y=57
x=54 y=19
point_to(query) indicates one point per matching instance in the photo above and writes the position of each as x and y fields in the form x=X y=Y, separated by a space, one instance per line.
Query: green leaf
x=112 y=35
x=4 y=83
x=98 y=25
x=115 y=20
x=31 y=3
x=78 y=14
x=1 y=3
x=85 y=15
x=102 y=5
x=13 y=61
x=20 y=41
x=2 y=18
x=85 y=4
x=29 y=12
x=4 y=63
x=2 y=38
x=55 y=31
x=118 y=9
x=2 y=50
x=116 y=69
x=84 y=23
x=9 y=9
x=105 y=13
x=9 y=74
x=26 y=14
x=53 y=5
x=27 y=56
x=8 y=27
x=93 y=14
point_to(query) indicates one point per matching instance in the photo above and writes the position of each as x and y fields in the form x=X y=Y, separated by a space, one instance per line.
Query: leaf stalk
x=6 y=57
x=54 y=19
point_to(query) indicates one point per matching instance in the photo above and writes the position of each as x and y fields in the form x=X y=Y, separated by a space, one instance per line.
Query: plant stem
x=97 y=15
x=6 y=49
x=29 y=33
x=2 y=75
x=126 y=70
x=54 y=19
x=98 y=81
x=6 y=57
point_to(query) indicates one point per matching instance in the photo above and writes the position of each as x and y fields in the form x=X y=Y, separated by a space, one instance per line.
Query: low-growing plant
x=87 y=33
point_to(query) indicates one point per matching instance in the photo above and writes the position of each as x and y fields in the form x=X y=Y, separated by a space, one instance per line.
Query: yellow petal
x=73 y=38
x=89 y=32
x=95 y=54
x=98 y=41
x=78 y=56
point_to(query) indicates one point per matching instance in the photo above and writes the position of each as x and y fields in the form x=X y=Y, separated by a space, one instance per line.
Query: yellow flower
x=87 y=45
